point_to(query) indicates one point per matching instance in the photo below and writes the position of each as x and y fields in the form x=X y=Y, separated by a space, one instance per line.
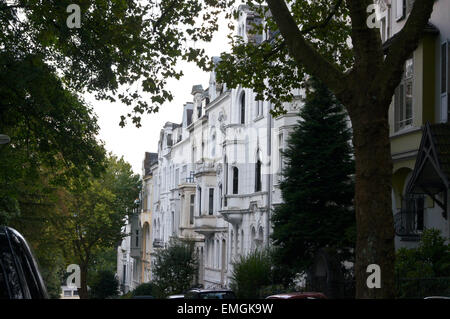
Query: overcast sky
x=131 y=142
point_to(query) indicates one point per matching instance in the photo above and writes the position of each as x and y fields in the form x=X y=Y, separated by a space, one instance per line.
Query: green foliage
x=148 y=289
x=427 y=267
x=175 y=267
x=317 y=188
x=254 y=275
x=105 y=285
x=268 y=67
x=120 y=42
x=104 y=260
x=93 y=210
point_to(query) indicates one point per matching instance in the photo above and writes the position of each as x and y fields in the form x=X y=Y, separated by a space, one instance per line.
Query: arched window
x=258 y=175
x=235 y=180
x=242 y=108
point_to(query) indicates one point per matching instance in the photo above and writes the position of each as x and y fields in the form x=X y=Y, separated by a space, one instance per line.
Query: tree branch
x=366 y=41
x=304 y=54
x=326 y=21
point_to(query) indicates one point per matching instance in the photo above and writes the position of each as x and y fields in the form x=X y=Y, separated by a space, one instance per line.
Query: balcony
x=207 y=225
x=234 y=216
x=204 y=168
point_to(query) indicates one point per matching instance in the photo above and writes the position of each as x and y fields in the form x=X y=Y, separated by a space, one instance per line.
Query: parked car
x=143 y=297
x=209 y=294
x=298 y=295
x=20 y=277
x=180 y=296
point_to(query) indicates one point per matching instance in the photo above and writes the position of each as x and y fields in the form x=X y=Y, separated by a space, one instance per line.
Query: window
x=211 y=201
x=444 y=71
x=191 y=209
x=280 y=155
x=67 y=293
x=173 y=223
x=409 y=221
x=243 y=108
x=220 y=196
x=199 y=201
x=235 y=180
x=258 y=176
x=213 y=144
x=137 y=238
x=400 y=9
x=445 y=85
x=225 y=178
x=404 y=98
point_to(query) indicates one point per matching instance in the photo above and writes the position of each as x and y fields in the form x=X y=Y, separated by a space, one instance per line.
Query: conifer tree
x=317 y=186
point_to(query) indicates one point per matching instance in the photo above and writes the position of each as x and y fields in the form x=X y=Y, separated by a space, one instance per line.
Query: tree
x=311 y=37
x=317 y=186
x=92 y=214
x=53 y=135
x=175 y=267
x=105 y=285
x=119 y=42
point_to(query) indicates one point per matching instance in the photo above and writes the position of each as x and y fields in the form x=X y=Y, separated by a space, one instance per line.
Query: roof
x=197 y=89
x=432 y=169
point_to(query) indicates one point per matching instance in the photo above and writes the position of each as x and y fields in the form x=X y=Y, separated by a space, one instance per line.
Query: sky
x=131 y=142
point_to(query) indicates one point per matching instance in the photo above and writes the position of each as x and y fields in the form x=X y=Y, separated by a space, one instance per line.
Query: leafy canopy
x=123 y=49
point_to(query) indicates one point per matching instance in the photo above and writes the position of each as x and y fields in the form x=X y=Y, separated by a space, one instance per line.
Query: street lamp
x=4 y=139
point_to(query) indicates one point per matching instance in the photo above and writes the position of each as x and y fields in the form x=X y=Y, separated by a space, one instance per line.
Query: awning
x=432 y=169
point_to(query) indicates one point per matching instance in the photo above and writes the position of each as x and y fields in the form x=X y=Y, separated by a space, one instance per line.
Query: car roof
x=299 y=295
x=200 y=290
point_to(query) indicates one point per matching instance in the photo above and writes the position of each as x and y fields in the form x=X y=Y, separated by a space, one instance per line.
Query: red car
x=299 y=295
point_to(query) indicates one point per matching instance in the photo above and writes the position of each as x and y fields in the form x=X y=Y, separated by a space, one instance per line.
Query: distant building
x=69 y=292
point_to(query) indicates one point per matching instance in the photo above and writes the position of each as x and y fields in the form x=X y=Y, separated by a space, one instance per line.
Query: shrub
x=424 y=270
x=252 y=275
x=147 y=289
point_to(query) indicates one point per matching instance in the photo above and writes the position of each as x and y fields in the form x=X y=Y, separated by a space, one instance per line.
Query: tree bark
x=373 y=207
x=83 y=292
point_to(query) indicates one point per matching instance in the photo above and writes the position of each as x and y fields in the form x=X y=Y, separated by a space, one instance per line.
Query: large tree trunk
x=373 y=203
x=83 y=292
